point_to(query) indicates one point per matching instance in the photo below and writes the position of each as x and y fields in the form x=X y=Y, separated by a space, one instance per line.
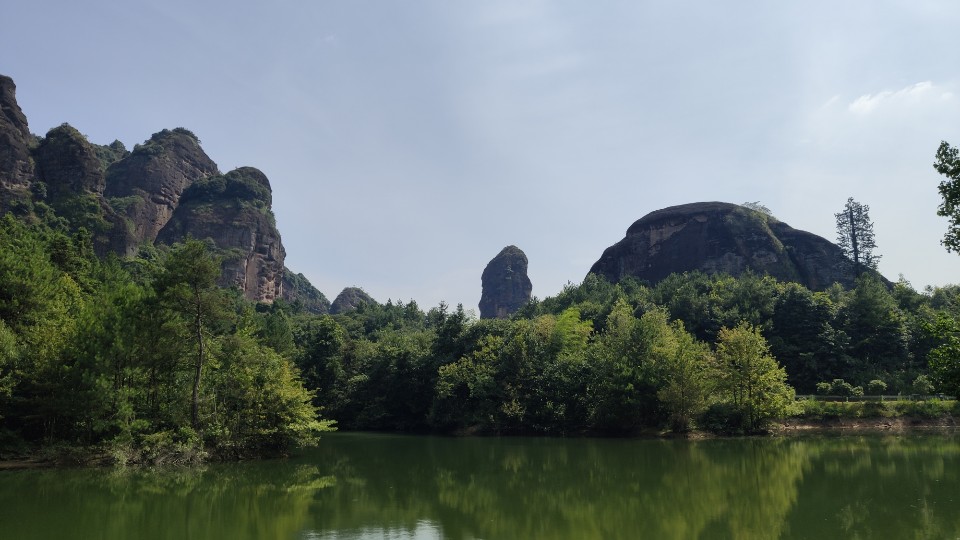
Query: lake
x=360 y=486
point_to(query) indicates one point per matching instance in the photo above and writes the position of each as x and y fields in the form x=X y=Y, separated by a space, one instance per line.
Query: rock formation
x=716 y=237
x=16 y=169
x=163 y=191
x=69 y=177
x=505 y=285
x=234 y=211
x=349 y=299
x=154 y=176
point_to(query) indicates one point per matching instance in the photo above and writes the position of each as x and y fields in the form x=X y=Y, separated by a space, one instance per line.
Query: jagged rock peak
x=68 y=163
x=16 y=169
x=152 y=178
x=10 y=109
x=505 y=284
x=717 y=237
x=69 y=174
x=349 y=299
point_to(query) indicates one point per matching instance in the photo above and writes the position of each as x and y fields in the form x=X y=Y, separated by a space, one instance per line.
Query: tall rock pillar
x=505 y=284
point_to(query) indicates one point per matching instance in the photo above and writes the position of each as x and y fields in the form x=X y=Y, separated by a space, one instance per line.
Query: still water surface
x=398 y=487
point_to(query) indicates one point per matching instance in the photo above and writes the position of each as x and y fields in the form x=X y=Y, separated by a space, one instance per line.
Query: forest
x=147 y=360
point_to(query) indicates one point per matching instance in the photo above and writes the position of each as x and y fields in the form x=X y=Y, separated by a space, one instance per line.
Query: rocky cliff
x=716 y=237
x=163 y=191
x=234 y=211
x=505 y=284
x=69 y=176
x=16 y=168
x=147 y=184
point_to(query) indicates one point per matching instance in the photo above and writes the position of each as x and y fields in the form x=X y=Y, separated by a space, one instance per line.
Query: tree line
x=715 y=351
x=146 y=359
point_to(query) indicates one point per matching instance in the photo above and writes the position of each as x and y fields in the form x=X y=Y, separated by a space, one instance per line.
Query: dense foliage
x=714 y=352
x=161 y=366
x=149 y=359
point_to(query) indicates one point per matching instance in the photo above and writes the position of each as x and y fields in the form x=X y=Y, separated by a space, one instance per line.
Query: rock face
x=16 y=169
x=234 y=211
x=505 y=285
x=716 y=237
x=163 y=191
x=154 y=176
x=68 y=164
x=72 y=177
x=349 y=299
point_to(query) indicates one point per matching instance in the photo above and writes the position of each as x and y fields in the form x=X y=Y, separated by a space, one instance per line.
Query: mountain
x=716 y=237
x=165 y=190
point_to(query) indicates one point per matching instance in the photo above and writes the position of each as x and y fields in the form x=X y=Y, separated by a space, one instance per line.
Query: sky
x=408 y=142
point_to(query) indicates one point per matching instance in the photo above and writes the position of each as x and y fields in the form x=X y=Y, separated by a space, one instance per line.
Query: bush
x=875 y=409
x=723 y=419
x=922 y=385
x=823 y=388
x=876 y=387
x=840 y=387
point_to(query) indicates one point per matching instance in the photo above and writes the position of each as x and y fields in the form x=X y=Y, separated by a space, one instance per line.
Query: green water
x=381 y=486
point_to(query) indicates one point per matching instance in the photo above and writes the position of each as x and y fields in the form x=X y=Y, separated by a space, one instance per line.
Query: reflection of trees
x=362 y=485
x=890 y=487
x=554 y=488
x=262 y=500
x=543 y=488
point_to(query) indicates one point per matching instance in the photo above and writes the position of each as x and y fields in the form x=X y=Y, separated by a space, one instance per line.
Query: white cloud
x=918 y=94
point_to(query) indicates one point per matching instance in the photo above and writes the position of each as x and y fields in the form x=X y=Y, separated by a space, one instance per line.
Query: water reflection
x=378 y=486
x=852 y=487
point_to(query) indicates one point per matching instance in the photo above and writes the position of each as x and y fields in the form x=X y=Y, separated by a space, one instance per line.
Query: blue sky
x=408 y=142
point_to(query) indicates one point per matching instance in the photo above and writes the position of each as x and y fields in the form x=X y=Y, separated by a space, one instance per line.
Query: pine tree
x=855 y=236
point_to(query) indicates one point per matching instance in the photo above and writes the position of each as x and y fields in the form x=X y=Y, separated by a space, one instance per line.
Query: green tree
x=261 y=404
x=803 y=338
x=945 y=358
x=948 y=164
x=187 y=286
x=922 y=385
x=877 y=331
x=687 y=368
x=623 y=389
x=750 y=378
x=876 y=387
x=855 y=236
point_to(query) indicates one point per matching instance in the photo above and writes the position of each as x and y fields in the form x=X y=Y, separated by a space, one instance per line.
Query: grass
x=812 y=409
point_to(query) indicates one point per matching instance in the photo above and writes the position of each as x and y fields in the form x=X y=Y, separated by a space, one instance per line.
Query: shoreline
x=898 y=424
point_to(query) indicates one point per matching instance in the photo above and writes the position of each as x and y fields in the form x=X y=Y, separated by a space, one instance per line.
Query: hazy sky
x=408 y=142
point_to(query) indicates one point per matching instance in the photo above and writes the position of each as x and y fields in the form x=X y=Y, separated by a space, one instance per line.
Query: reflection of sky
x=425 y=530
